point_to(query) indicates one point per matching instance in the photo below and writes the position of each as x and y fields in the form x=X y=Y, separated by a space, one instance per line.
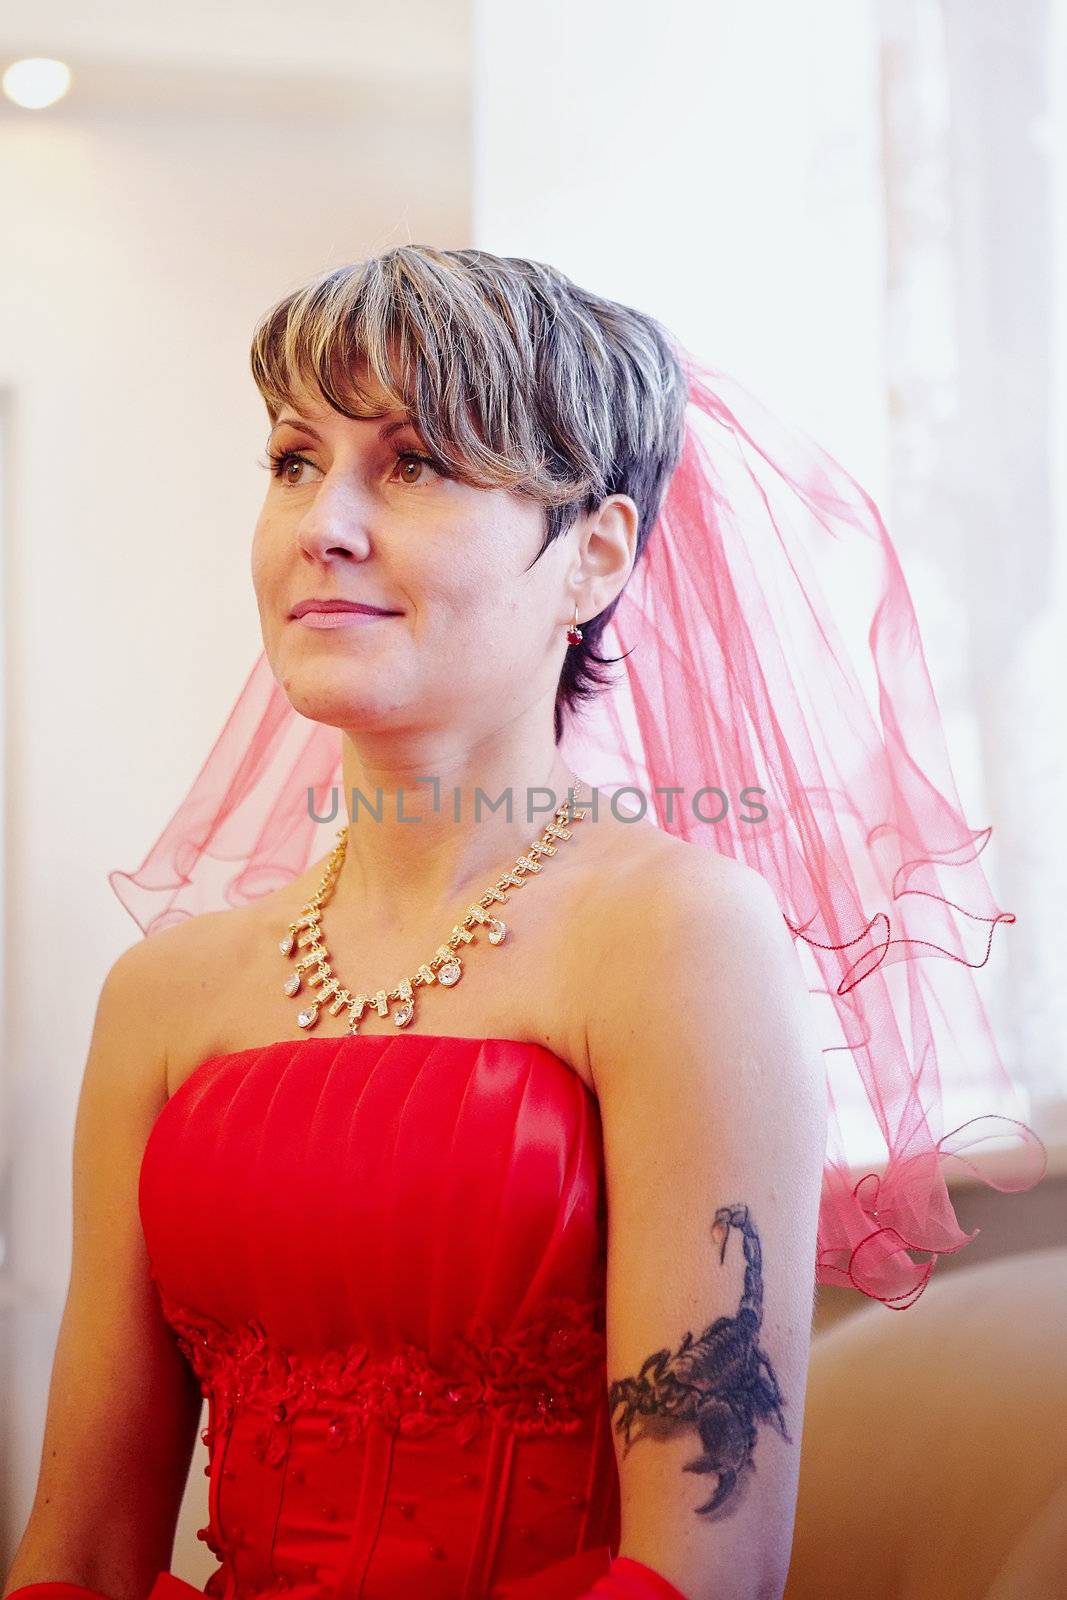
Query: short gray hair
x=515 y=377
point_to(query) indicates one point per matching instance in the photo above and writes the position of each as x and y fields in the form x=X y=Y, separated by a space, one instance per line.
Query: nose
x=335 y=523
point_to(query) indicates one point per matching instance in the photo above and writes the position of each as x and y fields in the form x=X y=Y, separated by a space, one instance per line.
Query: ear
x=607 y=546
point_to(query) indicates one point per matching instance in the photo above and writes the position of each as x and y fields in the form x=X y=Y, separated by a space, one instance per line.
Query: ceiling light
x=35 y=82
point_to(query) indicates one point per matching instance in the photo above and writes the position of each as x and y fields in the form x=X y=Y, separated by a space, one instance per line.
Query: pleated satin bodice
x=385 y=1260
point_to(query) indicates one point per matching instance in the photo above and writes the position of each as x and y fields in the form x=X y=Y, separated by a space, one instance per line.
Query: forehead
x=372 y=402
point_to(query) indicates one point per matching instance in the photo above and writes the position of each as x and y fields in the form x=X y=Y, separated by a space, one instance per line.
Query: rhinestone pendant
x=449 y=974
x=497 y=931
x=308 y=1018
x=291 y=985
x=404 y=1012
x=286 y=945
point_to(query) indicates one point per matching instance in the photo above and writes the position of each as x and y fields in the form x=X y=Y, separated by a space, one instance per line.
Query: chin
x=326 y=696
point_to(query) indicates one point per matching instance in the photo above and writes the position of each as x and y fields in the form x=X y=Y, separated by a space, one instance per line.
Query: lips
x=304 y=606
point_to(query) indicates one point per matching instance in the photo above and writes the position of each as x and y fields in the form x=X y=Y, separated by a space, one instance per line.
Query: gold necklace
x=308 y=930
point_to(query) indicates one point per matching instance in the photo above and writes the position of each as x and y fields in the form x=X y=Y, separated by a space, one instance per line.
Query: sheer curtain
x=970 y=181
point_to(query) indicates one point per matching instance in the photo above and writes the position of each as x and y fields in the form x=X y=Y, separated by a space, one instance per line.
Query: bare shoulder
x=667 y=878
x=212 y=976
x=695 y=865
x=147 y=983
x=124 y=1082
x=176 y=960
x=179 y=977
x=678 y=927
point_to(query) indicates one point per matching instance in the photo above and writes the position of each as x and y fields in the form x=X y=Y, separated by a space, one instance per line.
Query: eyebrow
x=385 y=432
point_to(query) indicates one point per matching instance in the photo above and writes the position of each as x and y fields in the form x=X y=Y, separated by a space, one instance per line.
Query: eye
x=411 y=458
x=279 y=462
x=410 y=463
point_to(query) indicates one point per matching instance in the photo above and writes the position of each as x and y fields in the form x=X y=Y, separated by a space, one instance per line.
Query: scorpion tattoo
x=722 y=1383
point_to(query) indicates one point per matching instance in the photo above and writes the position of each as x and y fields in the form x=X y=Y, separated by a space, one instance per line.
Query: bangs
x=414 y=334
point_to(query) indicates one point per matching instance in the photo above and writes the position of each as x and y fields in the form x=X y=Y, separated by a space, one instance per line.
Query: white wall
x=146 y=223
x=711 y=164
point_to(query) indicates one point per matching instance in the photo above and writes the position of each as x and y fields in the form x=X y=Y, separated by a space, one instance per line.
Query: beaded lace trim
x=545 y=1375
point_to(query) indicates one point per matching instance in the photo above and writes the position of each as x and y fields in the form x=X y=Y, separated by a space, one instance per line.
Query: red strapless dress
x=385 y=1260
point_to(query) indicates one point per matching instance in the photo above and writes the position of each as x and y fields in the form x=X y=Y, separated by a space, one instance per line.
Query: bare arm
x=712 y=1100
x=123 y=1405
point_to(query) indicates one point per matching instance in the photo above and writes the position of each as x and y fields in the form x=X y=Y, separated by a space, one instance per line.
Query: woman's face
x=352 y=513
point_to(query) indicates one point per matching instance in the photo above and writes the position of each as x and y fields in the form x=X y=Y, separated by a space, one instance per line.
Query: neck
x=415 y=848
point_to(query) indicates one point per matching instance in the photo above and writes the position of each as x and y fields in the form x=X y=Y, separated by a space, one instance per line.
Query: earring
x=574 y=633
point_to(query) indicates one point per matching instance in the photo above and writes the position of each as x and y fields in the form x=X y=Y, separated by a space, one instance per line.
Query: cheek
x=477 y=569
x=260 y=558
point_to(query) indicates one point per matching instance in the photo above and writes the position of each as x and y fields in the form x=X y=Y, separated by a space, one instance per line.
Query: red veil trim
x=772 y=647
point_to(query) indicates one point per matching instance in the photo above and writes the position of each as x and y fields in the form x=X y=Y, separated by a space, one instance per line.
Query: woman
x=432 y=1369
